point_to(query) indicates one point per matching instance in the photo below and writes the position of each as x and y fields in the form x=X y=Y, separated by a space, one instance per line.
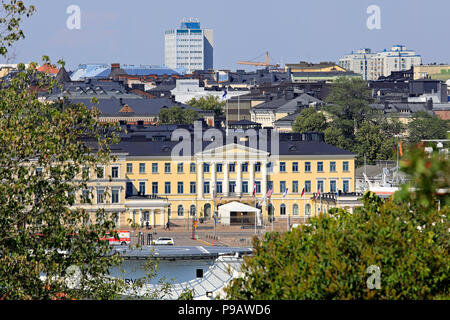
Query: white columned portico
x=252 y=175
x=200 y=179
x=153 y=218
x=225 y=179
x=239 y=178
x=264 y=177
x=213 y=178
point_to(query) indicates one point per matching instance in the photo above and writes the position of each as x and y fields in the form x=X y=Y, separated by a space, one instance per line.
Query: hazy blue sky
x=132 y=32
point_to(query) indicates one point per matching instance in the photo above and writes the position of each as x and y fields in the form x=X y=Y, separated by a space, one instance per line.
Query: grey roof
x=412 y=107
x=143 y=143
x=287 y=120
x=101 y=89
x=141 y=107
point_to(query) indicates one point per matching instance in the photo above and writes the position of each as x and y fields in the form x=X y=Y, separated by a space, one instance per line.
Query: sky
x=132 y=32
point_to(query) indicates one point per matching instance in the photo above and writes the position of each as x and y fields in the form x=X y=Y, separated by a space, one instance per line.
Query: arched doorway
x=193 y=211
x=308 y=209
x=295 y=211
x=207 y=210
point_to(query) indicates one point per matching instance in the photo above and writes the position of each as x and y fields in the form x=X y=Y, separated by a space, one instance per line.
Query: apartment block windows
x=129 y=168
x=307 y=186
x=206 y=167
x=282 y=209
x=320 y=185
x=232 y=186
x=320 y=166
x=345 y=166
x=258 y=186
x=282 y=166
x=115 y=172
x=219 y=167
x=333 y=186
x=192 y=168
x=332 y=166
x=142 y=188
x=167 y=188
x=295 y=186
x=245 y=167
x=193 y=188
x=258 y=167
x=294 y=166
x=180 y=168
x=244 y=186
x=180 y=188
x=232 y=167
x=141 y=167
x=346 y=186
x=282 y=186
x=154 y=187
x=154 y=168
x=307 y=166
x=206 y=189
x=115 y=195
x=100 y=195
x=167 y=168
x=219 y=187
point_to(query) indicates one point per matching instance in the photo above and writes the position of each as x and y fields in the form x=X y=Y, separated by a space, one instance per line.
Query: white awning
x=224 y=211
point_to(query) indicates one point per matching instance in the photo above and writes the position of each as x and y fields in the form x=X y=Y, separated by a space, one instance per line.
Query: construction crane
x=260 y=64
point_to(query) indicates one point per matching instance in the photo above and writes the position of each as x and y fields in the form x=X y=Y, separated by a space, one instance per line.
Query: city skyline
x=291 y=32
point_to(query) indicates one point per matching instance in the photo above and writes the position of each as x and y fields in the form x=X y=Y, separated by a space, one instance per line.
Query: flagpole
x=254 y=197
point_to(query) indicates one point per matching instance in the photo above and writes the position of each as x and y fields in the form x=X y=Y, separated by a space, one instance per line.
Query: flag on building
x=254 y=188
x=400 y=149
x=303 y=191
x=269 y=193
x=317 y=194
x=224 y=96
x=285 y=192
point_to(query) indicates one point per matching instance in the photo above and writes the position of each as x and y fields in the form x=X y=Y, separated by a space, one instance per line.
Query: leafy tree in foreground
x=42 y=233
x=407 y=238
x=11 y=14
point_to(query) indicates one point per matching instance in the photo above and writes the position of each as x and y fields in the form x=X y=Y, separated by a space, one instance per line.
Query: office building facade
x=189 y=47
x=372 y=65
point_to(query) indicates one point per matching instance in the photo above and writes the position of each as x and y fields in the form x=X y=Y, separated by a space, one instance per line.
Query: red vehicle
x=121 y=238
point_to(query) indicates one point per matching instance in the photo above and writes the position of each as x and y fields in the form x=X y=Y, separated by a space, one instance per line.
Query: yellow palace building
x=153 y=182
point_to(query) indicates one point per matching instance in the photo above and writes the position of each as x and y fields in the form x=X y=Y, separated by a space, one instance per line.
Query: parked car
x=164 y=241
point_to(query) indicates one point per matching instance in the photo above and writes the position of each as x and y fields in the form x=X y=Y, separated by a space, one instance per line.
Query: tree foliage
x=310 y=120
x=208 y=103
x=44 y=153
x=11 y=15
x=349 y=99
x=424 y=126
x=177 y=115
x=373 y=141
x=406 y=237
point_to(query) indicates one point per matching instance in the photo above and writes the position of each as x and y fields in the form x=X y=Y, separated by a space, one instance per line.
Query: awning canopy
x=226 y=209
